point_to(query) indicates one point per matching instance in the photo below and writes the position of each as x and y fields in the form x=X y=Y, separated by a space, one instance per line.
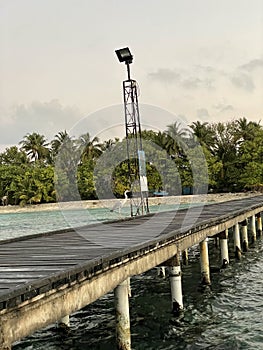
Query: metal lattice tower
x=135 y=153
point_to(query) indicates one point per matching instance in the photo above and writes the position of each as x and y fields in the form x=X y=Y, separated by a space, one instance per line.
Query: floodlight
x=124 y=55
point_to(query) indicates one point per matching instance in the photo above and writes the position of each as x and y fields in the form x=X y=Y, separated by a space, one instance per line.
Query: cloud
x=165 y=75
x=252 y=65
x=202 y=113
x=191 y=83
x=181 y=78
x=243 y=81
x=210 y=78
x=206 y=69
x=247 y=74
x=222 y=107
x=195 y=83
x=46 y=118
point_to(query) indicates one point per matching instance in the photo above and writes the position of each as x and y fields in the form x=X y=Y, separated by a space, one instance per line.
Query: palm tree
x=176 y=130
x=176 y=136
x=36 y=146
x=90 y=148
x=59 y=139
x=158 y=138
x=109 y=143
x=204 y=133
x=246 y=130
x=225 y=150
x=161 y=139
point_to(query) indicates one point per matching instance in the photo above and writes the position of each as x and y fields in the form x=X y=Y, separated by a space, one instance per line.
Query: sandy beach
x=91 y=204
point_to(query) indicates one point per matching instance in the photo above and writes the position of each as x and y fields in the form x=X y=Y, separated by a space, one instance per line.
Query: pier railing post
x=253 y=228
x=176 y=284
x=259 y=224
x=123 y=332
x=204 y=261
x=223 y=236
x=244 y=236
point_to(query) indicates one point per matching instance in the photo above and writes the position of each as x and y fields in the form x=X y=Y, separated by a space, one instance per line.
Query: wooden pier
x=46 y=277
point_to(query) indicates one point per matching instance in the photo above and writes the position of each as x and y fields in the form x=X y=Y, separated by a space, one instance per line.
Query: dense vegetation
x=69 y=169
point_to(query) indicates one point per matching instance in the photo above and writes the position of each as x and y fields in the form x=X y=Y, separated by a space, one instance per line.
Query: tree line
x=222 y=156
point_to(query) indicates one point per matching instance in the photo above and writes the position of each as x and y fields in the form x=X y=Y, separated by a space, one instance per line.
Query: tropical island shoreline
x=109 y=203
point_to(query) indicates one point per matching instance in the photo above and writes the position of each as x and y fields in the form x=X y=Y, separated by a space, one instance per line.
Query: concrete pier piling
x=237 y=244
x=64 y=322
x=244 y=236
x=223 y=236
x=123 y=332
x=161 y=271
x=253 y=228
x=259 y=224
x=216 y=241
x=176 y=284
x=204 y=261
x=185 y=257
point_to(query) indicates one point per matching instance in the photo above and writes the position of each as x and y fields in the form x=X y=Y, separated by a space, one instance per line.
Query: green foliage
x=35 y=145
x=252 y=176
x=85 y=180
x=223 y=156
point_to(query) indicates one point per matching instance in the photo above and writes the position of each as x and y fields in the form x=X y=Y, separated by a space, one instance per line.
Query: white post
x=237 y=245
x=253 y=228
x=216 y=241
x=185 y=257
x=161 y=271
x=176 y=285
x=259 y=224
x=123 y=332
x=224 y=248
x=64 y=321
x=204 y=260
x=244 y=236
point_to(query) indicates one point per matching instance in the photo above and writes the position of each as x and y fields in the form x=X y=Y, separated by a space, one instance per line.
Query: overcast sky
x=197 y=60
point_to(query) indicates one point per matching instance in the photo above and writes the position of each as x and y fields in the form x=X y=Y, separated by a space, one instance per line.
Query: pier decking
x=69 y=269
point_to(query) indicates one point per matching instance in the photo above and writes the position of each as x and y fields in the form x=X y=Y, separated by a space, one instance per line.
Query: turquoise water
x=21 y=223
x=227 y=316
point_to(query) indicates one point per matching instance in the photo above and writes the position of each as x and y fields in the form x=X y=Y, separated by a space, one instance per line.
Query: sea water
x=229 y=315
x=19 y=224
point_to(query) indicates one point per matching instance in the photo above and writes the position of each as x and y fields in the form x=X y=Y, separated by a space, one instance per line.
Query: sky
x=193 y=60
